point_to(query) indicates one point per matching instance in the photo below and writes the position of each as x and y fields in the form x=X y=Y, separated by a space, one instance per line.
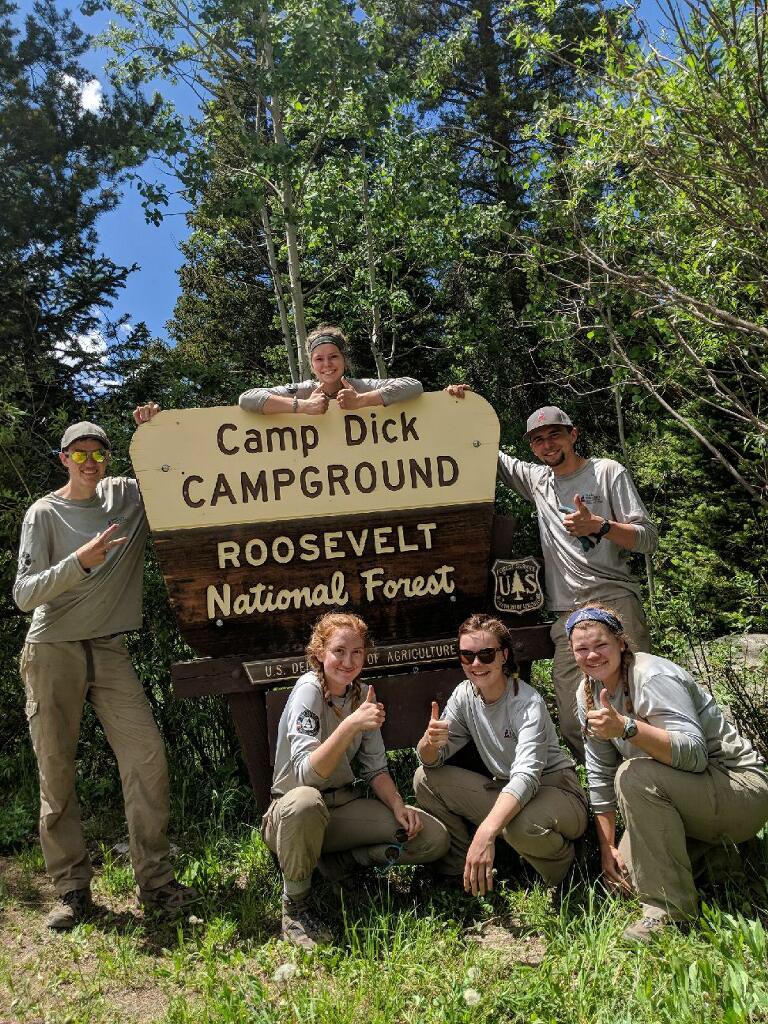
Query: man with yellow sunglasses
x=81 y=560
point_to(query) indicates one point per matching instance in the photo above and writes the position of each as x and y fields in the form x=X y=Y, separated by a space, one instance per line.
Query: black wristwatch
x=630 y=728
x=602 y=531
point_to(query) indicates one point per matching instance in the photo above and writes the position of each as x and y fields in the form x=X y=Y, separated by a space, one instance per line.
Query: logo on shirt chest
x=507 y=734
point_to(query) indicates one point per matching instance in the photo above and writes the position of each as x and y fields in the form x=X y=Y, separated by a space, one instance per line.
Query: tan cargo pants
x=59 y=678
x=306 y=822
x=566 y=674
x=542 y=833
x=667 y=812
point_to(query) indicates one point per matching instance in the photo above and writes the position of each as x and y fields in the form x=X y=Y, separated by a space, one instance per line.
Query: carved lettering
x=438 y=582
x=222 y=490
x=261 y=598
x=228 y=552
x=185 y=492
x=220 y=439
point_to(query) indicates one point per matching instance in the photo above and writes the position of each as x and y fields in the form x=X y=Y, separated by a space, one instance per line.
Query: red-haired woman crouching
x=531 y=795
x=659 y=746
x=317 y=818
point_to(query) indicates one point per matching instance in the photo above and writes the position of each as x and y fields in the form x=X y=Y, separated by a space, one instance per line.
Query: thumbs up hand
x=605 y=722
x=437 y=729
x=347 y=397
x=370 y=714
x=581 y=523
x=315 y=405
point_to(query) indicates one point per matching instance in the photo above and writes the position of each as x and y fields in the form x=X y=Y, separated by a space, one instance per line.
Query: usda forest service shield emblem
x=517 y=586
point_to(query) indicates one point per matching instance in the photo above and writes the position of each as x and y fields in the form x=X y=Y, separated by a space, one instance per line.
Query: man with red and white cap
x=590 y=518
x=80 y=572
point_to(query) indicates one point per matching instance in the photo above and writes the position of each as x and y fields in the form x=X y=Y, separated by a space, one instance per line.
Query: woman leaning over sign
x=530 y=795
x=317 y=818
x=327 y=349
x=658 y=745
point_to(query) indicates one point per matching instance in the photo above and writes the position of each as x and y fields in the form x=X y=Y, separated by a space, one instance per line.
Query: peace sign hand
x=95 y=551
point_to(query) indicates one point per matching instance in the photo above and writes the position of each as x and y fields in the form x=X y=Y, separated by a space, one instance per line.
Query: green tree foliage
x=650 y=257
x=62 y=166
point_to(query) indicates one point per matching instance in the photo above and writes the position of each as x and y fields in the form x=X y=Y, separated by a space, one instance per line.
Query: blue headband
x=592 y=615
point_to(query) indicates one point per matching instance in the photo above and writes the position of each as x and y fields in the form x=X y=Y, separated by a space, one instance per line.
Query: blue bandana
x=592 y=615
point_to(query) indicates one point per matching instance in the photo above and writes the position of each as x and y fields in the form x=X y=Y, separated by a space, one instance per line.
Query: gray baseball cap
x=78 y=431
x=547 y=416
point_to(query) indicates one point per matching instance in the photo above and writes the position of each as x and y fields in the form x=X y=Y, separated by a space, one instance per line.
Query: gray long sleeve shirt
x=514 y=735
x=393 y=389
x=307 y=720
x=572 y=575
x=70 y=603
x=666 y=696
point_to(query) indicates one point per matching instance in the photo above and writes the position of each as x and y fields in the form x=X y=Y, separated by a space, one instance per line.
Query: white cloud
x=90 y=97
x=90 y=94
x=90 y=343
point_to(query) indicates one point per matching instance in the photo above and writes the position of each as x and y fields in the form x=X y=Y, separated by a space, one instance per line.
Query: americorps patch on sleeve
x=308 y=723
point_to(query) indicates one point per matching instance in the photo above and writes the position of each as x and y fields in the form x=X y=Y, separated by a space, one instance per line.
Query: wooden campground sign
x=263 y=523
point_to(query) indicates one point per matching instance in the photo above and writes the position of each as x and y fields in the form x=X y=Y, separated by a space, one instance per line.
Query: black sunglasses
x=484 y=656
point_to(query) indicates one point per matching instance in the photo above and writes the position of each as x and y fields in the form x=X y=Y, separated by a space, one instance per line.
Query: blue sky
x=151 y=291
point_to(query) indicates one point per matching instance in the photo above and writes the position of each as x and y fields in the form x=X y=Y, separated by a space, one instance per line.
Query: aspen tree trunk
x=291 y=236
x=274 y=268
x=381 y=366
x=277 y=281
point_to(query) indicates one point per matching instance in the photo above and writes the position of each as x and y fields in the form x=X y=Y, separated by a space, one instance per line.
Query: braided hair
x=626 y=657
x=323 y=630
x=480 y=622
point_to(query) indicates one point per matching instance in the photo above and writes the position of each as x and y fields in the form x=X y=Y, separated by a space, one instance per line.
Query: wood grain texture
x=191 y=464
x=458 y=538
x=249 y=713
x=205 y=676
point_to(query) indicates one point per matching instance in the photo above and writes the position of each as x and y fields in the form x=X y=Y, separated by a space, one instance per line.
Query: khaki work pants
x=542 y=833
x=669 y=813
x=306 y=822
x=566 y=674
x=59 y=678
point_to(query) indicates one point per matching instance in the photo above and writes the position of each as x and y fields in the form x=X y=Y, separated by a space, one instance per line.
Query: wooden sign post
x=263 y=523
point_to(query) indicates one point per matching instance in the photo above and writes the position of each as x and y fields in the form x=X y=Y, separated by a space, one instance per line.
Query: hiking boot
x=73 y=907
x=651 y=924
x=301 y=927
x=170 y=899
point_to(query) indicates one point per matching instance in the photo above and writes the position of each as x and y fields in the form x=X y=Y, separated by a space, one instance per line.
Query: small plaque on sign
x=387 y=658
x=517 y=586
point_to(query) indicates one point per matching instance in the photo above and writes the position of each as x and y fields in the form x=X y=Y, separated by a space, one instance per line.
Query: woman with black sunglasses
x=531 y=795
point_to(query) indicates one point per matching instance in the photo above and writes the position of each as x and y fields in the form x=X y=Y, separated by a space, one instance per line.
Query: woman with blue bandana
x=327 y=350
x=659 y=748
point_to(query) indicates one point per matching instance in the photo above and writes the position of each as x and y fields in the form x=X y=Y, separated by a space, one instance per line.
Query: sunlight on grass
x=405 y=952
